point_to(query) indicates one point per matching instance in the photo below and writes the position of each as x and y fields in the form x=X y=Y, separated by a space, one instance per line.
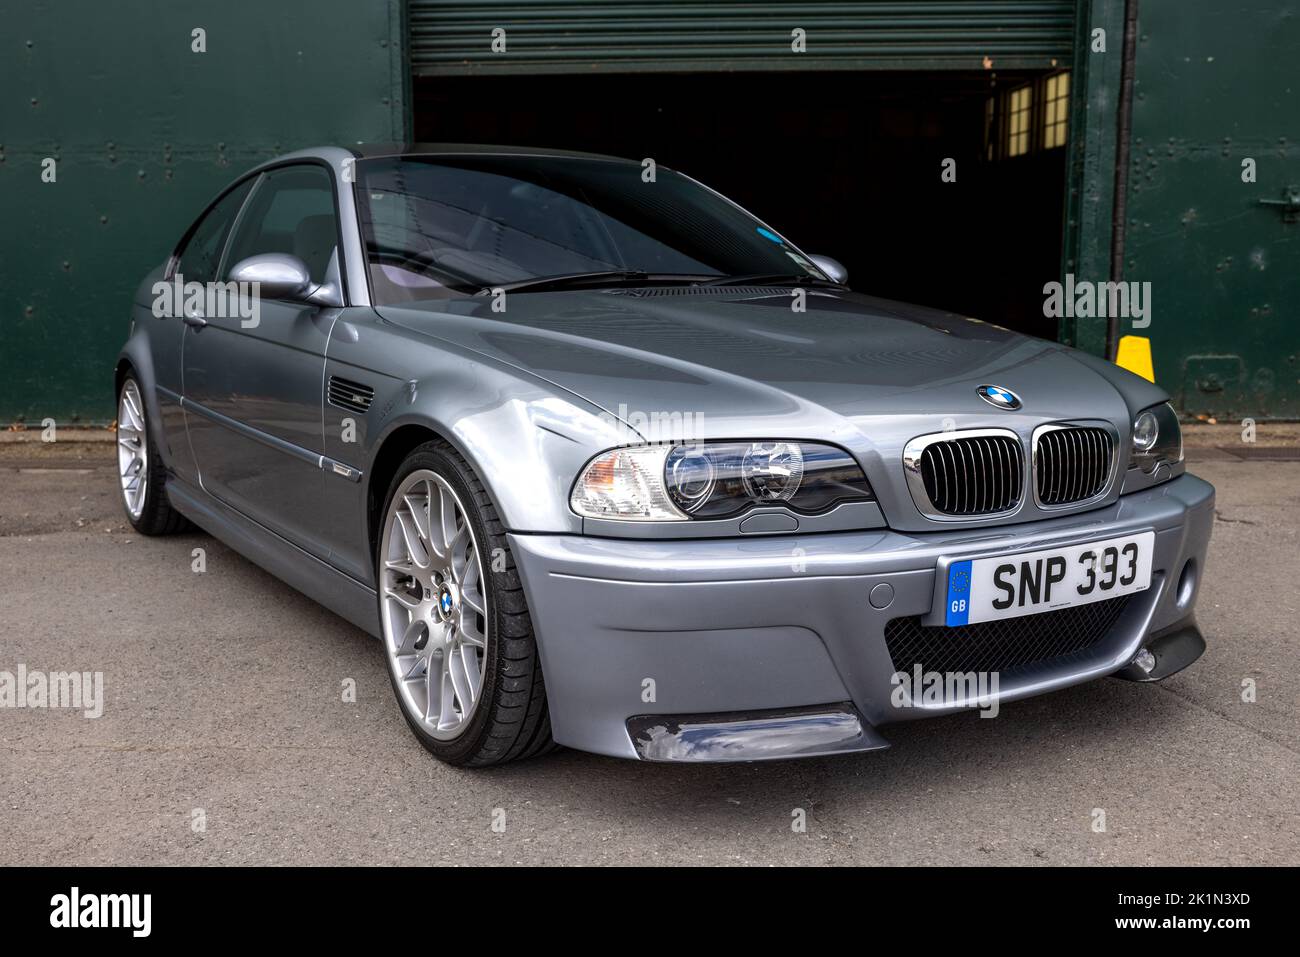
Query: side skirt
x=320 y=582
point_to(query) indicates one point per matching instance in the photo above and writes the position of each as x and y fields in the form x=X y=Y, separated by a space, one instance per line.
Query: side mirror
x=281 y=276
x=833 y=268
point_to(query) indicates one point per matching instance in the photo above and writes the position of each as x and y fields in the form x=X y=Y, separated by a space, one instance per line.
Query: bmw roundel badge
x=999 y=397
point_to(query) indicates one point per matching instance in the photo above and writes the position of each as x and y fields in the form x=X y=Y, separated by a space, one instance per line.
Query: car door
x=196 y=260
x=253 y=380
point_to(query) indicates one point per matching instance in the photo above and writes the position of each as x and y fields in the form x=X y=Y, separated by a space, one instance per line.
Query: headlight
x=1146 y=429
x=626 y=484
x=716 y=480
x=1157 y=439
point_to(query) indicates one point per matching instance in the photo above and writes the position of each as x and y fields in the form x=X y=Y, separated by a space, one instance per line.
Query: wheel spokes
x=472 y=608
x=471 y=589
x=132 y=450
x=460 y=549
x=447 y=524
x=415 y=550
x=414 y=631
x=418 y=667
x=401 y=566
x=463 y=665
x=473 y=637
x=136 y=492
x=418 y=506
x=133 y=409
x=446 y=700
x=402 y=597
x=435 y=596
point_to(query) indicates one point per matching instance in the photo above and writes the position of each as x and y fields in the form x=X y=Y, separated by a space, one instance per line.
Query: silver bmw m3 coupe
x=607 y=462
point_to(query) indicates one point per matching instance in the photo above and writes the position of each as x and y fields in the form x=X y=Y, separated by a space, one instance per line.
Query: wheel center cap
x=447 y=600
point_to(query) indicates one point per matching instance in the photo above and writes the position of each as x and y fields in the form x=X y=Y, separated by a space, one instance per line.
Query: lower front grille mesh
x=1001 y=646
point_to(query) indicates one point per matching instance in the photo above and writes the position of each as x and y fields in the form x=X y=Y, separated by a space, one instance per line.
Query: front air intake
x=1005 y=645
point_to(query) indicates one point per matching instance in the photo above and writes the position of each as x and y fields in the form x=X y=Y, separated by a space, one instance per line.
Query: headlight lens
x=1145 y=431
x=1157 y=439
x=690 y=477
x=771 y=472
x=716 y=480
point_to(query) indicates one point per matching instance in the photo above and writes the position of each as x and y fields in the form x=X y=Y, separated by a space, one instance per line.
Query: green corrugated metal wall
x=1090 y=179
x=144 y=132
x=1218 y=82
x=621 y=35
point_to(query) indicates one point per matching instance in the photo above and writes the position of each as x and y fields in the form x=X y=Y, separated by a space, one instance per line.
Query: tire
x=147 y=509
x=507 y=718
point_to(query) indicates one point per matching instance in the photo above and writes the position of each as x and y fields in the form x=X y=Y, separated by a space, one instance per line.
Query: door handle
x=197 y=321
x=1288 y=205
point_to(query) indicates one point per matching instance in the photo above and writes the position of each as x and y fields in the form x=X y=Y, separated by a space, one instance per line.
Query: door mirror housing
x=833 y=268
x=281 y=276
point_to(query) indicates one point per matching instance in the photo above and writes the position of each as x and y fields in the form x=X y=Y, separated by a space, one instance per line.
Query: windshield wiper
x=610 y=277
x=772 y=279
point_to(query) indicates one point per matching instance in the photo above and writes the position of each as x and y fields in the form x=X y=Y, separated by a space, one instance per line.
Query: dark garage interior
x=846 y=164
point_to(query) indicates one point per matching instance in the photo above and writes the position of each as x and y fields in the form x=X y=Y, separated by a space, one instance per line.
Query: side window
x=291 y=212
x=201 y=257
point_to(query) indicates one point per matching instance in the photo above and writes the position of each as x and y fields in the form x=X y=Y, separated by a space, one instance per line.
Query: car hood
x=742 y=361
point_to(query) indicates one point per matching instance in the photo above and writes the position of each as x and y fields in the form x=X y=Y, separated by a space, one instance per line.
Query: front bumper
x=779 y=638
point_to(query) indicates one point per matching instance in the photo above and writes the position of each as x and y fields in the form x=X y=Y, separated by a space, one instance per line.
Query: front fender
x=523 y=440
x=524 y=437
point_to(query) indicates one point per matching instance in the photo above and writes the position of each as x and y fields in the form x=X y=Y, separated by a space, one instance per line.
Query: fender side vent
x=346 y=394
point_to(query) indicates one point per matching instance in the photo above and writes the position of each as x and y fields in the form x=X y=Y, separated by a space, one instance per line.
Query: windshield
x=440 y=226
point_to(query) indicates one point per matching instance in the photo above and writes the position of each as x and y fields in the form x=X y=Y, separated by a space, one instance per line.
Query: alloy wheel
x=132 y=449
x=435 y=606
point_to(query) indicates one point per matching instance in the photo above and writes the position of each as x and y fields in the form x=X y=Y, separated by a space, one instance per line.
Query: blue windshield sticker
x=768 y=234
x=958 y=610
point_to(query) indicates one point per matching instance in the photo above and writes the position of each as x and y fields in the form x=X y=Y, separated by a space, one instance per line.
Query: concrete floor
x=223 y=697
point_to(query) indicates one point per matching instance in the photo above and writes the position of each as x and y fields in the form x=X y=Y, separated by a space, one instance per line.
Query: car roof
x=372 y=150
x=336 y=156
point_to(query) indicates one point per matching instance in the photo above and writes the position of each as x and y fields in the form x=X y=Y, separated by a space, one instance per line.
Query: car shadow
x=943 y=756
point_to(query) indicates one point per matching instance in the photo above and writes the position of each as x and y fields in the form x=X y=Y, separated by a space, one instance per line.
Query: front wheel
x=140 y=470
x=459 y=641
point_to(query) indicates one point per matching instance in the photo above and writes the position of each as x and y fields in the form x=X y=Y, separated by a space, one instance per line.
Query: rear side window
x=201 y=257
x=292 y=211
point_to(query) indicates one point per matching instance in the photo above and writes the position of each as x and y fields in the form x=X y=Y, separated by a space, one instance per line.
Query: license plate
x=1007 y=586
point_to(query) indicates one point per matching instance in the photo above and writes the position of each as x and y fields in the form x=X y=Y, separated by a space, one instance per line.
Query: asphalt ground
x=225 y=737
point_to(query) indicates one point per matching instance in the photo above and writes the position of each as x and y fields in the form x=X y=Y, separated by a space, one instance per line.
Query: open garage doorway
x=845 y=164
